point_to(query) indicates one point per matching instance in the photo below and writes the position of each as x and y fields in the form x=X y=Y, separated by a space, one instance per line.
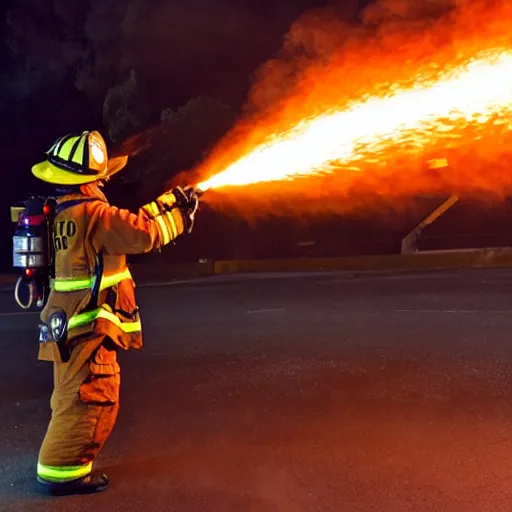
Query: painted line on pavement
x=454 y=311
x=260 y=311
x=20 y=313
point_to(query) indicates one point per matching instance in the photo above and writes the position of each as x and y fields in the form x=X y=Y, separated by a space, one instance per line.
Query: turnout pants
x=84 y=403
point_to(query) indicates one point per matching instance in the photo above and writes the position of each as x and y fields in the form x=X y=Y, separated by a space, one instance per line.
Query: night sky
x=61 y=60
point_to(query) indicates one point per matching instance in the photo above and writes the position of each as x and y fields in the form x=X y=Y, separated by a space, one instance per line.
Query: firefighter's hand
x=187 y=200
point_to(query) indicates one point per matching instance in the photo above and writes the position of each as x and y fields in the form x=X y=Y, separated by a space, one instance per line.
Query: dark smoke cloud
x=320 y=34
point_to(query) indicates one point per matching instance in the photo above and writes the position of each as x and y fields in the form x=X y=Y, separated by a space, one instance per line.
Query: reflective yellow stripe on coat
x=76 y=284
x=81 y=319
x=86 y=318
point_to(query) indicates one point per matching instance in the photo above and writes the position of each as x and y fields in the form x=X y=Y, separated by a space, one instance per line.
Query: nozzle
x=190 y=189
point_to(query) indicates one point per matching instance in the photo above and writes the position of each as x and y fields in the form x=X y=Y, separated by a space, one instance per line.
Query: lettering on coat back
x=63 y=232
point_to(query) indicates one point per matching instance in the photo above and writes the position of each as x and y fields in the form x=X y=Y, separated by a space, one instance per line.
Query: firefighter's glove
x=187 y=200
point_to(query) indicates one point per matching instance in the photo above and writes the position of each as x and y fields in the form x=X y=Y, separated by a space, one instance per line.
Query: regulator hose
x=17 y=294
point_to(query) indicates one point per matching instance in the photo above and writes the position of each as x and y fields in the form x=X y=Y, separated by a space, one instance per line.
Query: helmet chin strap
x=64 y=191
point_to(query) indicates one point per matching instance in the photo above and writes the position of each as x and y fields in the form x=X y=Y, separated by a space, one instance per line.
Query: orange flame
x=475 y=93
x=437 y=107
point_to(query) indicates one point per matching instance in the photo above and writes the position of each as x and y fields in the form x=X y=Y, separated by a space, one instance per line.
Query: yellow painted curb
x=449 y=260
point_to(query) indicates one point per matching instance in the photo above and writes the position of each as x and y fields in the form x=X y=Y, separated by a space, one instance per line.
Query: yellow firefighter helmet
x=78 y=159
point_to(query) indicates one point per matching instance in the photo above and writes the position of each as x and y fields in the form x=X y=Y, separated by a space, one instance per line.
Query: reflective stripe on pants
x=85 y=404
x=63 y=473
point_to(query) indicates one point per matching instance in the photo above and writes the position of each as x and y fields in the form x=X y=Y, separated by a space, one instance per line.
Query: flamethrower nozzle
x=193 y=190
x=198 y=191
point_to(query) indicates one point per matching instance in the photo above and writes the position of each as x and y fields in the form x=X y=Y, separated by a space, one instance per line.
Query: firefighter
x=91 y=310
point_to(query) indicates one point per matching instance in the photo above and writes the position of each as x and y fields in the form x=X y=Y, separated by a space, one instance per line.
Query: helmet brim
x=46 y=171
x=115 y=165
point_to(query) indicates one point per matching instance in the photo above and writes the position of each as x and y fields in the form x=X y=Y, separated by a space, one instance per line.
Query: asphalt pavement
x=291 y=393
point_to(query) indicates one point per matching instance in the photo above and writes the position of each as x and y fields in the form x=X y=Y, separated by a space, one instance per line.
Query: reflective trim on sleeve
x=164 y=230
x=172 y=225
x=63 y=473
x=152 y=209
x=167 y=227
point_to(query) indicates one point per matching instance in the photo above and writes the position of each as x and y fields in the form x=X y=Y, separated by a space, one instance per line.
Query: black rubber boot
x=94 y=482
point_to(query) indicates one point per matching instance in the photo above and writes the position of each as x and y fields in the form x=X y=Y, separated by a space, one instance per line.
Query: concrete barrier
x=447 y=260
